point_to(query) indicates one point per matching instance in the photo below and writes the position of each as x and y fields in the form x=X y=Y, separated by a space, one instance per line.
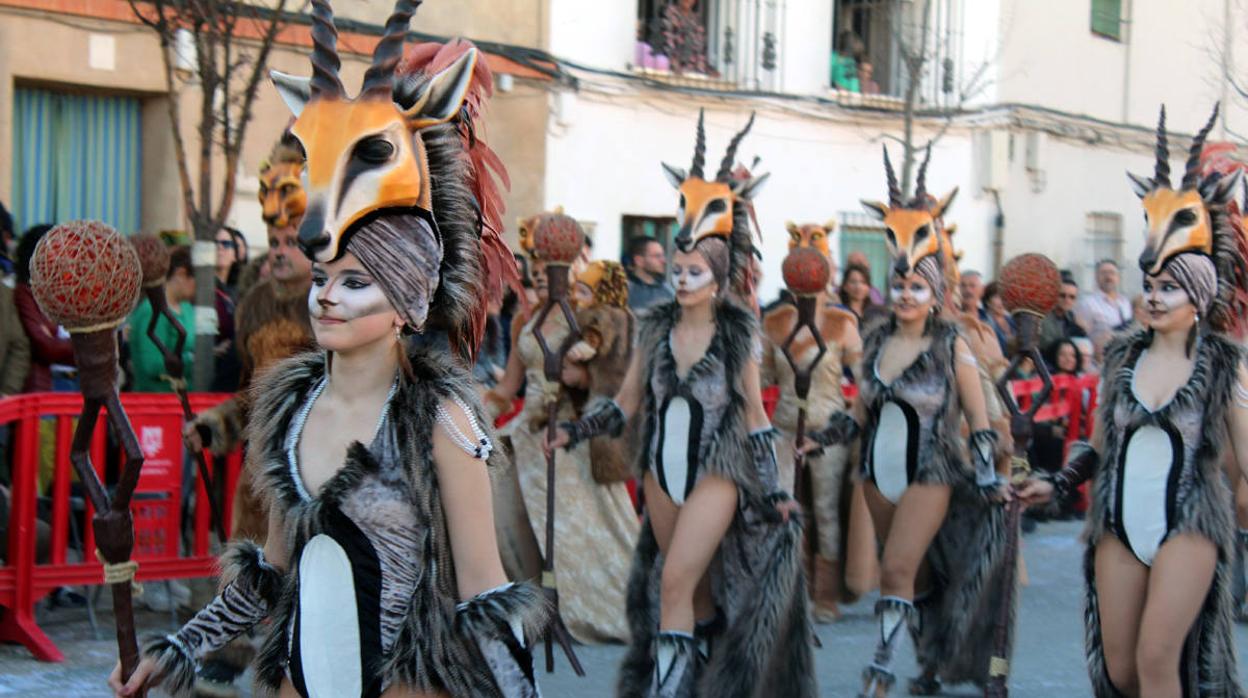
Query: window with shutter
x=1107 y=19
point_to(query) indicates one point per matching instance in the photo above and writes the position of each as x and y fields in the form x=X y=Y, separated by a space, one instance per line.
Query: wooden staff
x=85 y=278
x=175 y=371
x=556 y=297
x=1030 y=299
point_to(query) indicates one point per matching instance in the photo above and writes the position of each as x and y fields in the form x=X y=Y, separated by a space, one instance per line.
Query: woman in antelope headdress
x=716 y=599
x=380 y=573
x=1173 y=405
x=596 y=526
x=933 y=500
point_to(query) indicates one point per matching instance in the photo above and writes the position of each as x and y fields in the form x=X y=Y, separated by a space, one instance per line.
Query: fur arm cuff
x=244 y=601
x=502 y=622
x=1081 y=463
x=763 y=451
x=983 y=447
x=221 y=427
x=841 y=429
x=605 y=417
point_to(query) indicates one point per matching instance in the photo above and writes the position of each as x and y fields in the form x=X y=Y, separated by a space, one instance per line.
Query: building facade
x=1037 y=110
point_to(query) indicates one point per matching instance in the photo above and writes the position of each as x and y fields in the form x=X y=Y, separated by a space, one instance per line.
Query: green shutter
x=1107 y=18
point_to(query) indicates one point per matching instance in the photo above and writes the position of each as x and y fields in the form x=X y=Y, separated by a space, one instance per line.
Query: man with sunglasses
x=1061 y=322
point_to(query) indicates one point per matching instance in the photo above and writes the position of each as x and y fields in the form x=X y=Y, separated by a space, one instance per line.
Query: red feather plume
x=498 y=266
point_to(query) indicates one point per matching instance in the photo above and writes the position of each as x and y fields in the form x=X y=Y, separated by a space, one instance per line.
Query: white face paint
x=920 y=292
x=345 y=296
x=691 y=277
x=1162 y=295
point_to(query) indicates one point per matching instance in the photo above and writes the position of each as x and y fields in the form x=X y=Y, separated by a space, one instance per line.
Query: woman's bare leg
x=700 y=526
x=1178 y=583
x=914 y=525
x=1121 y=587
x=661 y=510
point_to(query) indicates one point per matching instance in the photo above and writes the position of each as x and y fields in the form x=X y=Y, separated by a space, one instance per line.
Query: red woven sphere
x=806 y=271
x=85 y=276
x=153 y=258
x=557 y=238
x=1030 y=282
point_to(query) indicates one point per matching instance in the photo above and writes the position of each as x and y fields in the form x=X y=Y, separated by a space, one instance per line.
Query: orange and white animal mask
x=282 y=199
x=913 y=230
x=1179 y=220
x=811 y=235
x=707 y=206
x=365 y=155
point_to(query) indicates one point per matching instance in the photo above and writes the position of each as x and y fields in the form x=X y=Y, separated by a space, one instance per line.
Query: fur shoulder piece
x=279 y=394
x=778 y=323
x=737 y=331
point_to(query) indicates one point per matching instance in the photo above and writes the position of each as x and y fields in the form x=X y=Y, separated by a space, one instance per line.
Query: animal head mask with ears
x=365 y=156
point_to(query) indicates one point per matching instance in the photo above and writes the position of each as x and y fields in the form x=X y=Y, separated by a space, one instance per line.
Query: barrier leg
x=18 y=625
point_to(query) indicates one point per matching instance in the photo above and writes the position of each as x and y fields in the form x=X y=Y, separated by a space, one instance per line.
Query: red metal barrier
x=157 y=505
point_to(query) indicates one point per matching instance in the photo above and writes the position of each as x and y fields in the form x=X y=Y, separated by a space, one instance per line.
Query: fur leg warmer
x=502 y=622
x=244 y=601
x=896 y=615
x=676 y=664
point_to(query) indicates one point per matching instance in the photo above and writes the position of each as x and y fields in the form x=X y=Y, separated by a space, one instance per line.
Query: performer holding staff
x=380 y=572
x=1173 y=403
x=929 y=496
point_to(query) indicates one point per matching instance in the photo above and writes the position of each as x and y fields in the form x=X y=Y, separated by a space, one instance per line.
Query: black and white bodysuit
x=369 y=599
x=1162 y=473
x=904 y=442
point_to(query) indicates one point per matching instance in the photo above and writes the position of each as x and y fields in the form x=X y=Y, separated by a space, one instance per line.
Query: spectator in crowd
x=8 y=245
x=971 y=290
x=231 y=260
x=1061 y=322
x=866 y=80
x=1139 y=311
x=647 y=275
x=1105 y=310
x=844 y=67
x=145 y=357
x=684 y=38
x=14 y=346
x=860 y=258
x=998 y=316
x=855 y=295
x=1048 y=445
x=51 y=356
x=644 y=55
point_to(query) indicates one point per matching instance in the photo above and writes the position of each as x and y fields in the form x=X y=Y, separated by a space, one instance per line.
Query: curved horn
x=894 y=191
x=1191 y=176
x=699 y=150
x=325 y=61
x=920 y=182
x=379 y=79
x=1161 y=175
x=725 y=167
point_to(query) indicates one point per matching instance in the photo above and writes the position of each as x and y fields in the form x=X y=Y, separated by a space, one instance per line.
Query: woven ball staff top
x=85 y=277
x=1030 y=285
x=154 y=262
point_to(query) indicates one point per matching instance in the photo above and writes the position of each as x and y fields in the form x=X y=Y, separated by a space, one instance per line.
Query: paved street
x=1047 y=663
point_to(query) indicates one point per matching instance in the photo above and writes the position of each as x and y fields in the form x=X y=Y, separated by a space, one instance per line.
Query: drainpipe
x=1126 y=61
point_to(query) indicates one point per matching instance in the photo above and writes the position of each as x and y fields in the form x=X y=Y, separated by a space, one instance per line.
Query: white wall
x=603 y=163
x=594 y=33
x=1169 y=53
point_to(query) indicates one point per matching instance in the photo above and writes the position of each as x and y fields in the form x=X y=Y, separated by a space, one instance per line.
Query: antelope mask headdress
x=914 y=230
x=404 y=156
x=719 y=207
x=365 y=155
x=1196 y=217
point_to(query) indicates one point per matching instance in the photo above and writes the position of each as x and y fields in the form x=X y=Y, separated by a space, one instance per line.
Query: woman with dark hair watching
x=998 y=317
x=51 y=356
x=1048 y=445
x=231 y=259
x=855 y=294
